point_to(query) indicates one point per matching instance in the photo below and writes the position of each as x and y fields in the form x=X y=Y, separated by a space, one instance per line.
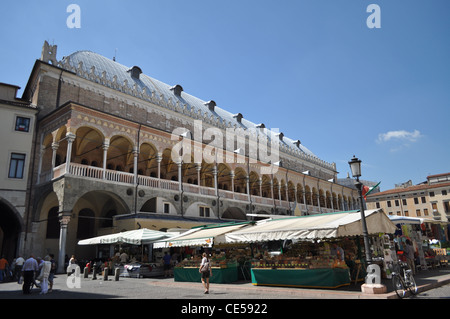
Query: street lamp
x=355 y=166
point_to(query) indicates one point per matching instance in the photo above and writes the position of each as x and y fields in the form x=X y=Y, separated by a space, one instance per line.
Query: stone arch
x=300 y=193
x=148 y=160
x=120 y=153
x=224 y=177
x=88 y=146
x=234 y=213
x=11 y=226
x=266 y=186
x=240 y=180
x=254 y=183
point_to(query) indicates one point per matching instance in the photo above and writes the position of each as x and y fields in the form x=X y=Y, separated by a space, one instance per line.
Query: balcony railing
x=98 y=173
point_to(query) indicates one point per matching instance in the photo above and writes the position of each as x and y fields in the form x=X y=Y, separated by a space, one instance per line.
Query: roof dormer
x=211 y=105
x=135 y=72
x=238 y=117
x=280 y=135
x=177 y=89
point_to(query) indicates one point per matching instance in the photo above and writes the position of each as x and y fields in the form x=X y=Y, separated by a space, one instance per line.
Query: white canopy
x=312 y=227
x=205 y=236
x=134 y=237
x=405 y=220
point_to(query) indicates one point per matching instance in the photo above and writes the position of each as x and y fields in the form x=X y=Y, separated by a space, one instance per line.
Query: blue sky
x=311 y=68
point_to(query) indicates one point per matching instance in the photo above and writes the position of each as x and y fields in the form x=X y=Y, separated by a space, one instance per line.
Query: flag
x=367 y=190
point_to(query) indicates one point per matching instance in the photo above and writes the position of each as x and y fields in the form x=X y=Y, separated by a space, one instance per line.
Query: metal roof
x=110 y=73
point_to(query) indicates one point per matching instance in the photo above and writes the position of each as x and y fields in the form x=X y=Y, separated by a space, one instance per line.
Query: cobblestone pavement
x=186 y=299
x=167 y=288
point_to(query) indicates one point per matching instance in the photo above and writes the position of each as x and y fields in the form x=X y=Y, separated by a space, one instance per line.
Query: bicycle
x=403 y=280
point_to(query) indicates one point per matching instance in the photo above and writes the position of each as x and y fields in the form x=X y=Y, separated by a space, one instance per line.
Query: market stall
x=422 y=233
x=131 y=260
x=318 y=265
x=225 y=267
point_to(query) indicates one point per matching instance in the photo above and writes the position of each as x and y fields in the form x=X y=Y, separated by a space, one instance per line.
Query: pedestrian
x=44 y=275
x=29 y=268
x=52 y=272
x=123 y=257
x=410 y=256
x=167 y=259
x=206 y=271
x=3 y=268
x=40 y=262
x=18 y=267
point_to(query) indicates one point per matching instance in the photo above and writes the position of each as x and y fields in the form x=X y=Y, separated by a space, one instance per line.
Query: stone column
x=41 y=154
x=70 y=139
x=198 y=167
x=216 y=184
x=64 y=219
x=55 y=147
x=232 y=181
x=260 y=187
x=135 y=164
x=105 y=157
x=180 y=177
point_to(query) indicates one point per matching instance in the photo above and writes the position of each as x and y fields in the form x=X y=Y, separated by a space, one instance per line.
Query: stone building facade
x=118 y=150
x=17 y=125
x=429 y=200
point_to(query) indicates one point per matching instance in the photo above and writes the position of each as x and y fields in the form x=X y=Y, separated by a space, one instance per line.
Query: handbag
x=205 y=267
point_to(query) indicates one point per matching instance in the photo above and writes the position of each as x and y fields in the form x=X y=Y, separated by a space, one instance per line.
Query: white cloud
x=403 y=136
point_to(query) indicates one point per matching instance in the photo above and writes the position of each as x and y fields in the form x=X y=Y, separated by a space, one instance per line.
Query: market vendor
x=337 y=251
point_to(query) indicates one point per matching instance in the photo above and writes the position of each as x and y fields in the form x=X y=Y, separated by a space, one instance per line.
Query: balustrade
x=153 y=182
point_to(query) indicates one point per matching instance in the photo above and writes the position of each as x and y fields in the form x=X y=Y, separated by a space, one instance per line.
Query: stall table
x=306 y=278
x=138 y=270
x=220 y=275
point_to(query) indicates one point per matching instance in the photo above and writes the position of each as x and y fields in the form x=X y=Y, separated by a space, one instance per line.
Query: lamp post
x=355 y=166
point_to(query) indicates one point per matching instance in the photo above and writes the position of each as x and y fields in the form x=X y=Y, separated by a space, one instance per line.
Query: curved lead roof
x=98 y=68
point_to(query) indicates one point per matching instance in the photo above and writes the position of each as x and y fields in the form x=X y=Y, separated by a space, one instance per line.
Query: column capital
x=70 y=137
x=64 y=218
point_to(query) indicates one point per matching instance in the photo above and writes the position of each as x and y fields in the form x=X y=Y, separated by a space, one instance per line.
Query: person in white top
x=18 y=267
x=45 y=272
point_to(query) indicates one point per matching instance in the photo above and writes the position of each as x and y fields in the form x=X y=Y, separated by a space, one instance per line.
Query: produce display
x=217 y=261
x=301 y=256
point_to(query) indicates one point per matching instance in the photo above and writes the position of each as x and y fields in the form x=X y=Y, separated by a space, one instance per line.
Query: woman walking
x=206 y=271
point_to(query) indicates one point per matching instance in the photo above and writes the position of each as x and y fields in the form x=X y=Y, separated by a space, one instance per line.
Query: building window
x=389 y=203
x=447 y=207
x=166 y=208
x=22 y=124
x=397 y=203
x=425 y=211
x=424 y=200
x=53 y=225
x=431 y=194
x=204 y=211
x=418 y=212
x=404 y=202
x=416 y=200
x=378 y=205
x=444 y=192
x=16 y=165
